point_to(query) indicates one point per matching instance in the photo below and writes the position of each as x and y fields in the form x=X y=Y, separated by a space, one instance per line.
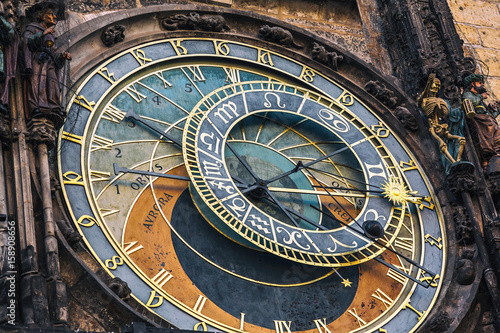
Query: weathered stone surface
x=491 y=58
x=489 y=37
x=468 y=34
x=485 y=13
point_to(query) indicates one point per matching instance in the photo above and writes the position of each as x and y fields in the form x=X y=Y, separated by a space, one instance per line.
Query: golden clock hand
x=131 y=114
x=367 y=234
x=301 y=191
x=301 y=166
x=119 y=170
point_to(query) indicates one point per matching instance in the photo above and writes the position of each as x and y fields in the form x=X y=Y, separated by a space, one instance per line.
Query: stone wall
x=478 y=24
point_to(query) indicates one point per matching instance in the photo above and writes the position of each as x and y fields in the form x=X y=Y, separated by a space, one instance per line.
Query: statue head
x=435 y=86
x=47 y=17
x=473 y=78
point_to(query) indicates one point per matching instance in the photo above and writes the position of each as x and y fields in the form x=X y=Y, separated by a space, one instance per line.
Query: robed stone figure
x=42 y=66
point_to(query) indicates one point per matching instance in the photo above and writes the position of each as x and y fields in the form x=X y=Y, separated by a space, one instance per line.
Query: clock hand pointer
x=132 y=115
x=242 y=161
x=384 y=246
x=119 y=170
x=301 y=166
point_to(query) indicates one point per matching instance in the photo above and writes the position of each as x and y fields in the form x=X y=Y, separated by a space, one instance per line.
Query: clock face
x=233 y=189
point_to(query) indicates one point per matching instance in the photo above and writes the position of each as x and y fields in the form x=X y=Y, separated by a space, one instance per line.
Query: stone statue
x=42 y=67
x=278 y=35
x=9 y=44
x=486 y=126
x=437 y=111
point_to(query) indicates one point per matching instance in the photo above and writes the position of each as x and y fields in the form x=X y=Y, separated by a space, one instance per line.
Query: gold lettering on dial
x=178 y=48
x=112 y=113
x=107 y=75
x=404 y=243
x=197 y=73
x=221 y=48
x=140 y=56
x=242 y=320
x=381 y=296
x=233 y=75
x=407 y=166
x=346 y=98
x=407 y=305
x=380 y=130
x=422 y=203
x=264 y=57
x=99 y=176
x=354 y=313
x=82 y=101
x=90 y=219
x=130 y=248
x=137 y=96
x=114 y=262
x=397 y=276
x=162 y=277
x=72 y=137
x=203 y=326
x=200 y=303
x=154 y=300
x=72 y=178
x=166 y=84
x=283 y=326
x=106 y=212
x=375 y=170
x=307 y=74
x=321 y=325
x=100 y=142
x=434 y=241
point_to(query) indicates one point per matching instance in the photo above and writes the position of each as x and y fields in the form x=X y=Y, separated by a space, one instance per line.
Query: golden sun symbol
x=396 y=191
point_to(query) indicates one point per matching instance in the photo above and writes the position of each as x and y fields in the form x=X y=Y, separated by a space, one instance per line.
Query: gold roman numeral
x=163 y=277
x=381 y=296
x=112 y=113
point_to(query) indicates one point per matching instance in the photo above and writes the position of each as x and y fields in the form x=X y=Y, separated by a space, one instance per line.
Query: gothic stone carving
x=120 y=288
x=380 y=92
x=406 y=118
x=112 y=35
x=278 y=35
x=332 y=59
x=461 y=179
x=42 y=131
x=440 y=323
x=466 y=271
x=463 y=226
x=195 y=21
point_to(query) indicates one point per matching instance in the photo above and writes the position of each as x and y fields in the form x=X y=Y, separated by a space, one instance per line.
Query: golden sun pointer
x=396 y=191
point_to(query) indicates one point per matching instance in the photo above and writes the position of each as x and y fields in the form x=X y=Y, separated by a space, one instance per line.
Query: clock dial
x=228 y=186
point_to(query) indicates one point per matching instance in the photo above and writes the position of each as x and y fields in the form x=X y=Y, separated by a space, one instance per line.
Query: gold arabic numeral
x=396 y=275
x=264 y=57
x=434 y=241
x=407 y=166
x=91 y=221
x=375 y=170
x=321 y=325
x=107 y=75
x=380 y=130
x=82 y=101
x=136 y=95
x=346 y=98
x=131 y=247
x=107 y=212
x=381 y=330
x=114 y=262
x=307 y=74
x=99 y=176
x=431 y=280
x=154 y=300
x=140 y=56
x=354 y=313
x=197 y=73
x=422 y=203
x=178 y=48
x=404 y=243
x=221 y=48
x=72 y=178
x=242 y=320
x=72 y=137
x=162 y=277
x=283 y=326
x=381 y=296
x=112 y=113
x=233 y=74
x=200 y=303
x=100 y=142
x=166 y=84
x=408 y=306
x=201 y=325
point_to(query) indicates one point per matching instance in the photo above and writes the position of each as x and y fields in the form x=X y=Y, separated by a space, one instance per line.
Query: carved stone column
x=44 y=134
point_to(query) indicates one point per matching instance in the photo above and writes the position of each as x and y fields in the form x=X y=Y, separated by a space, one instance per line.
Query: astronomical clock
x=236 y=188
